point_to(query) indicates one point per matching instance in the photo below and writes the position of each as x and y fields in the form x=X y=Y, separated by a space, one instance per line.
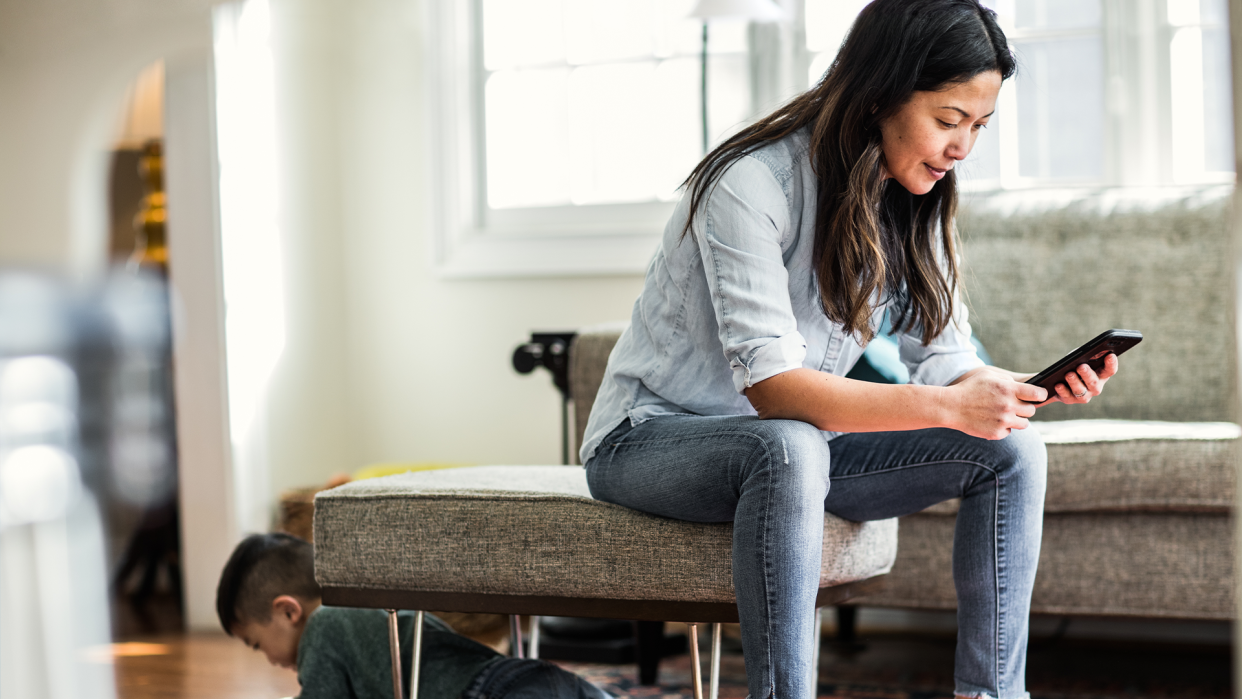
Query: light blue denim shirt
x=737 y=302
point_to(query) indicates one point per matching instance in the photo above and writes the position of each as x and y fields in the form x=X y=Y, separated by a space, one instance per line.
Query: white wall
x=385 y=361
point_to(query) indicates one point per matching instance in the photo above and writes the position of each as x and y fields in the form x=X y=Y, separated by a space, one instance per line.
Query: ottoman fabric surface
x=535 y=530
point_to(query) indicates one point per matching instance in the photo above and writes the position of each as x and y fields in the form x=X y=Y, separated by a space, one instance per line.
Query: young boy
x=268 y=598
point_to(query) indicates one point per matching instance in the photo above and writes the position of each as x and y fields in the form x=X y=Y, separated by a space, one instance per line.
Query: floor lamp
x=710 y=10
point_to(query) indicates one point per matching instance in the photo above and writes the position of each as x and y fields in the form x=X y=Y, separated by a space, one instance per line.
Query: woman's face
x=934 y=130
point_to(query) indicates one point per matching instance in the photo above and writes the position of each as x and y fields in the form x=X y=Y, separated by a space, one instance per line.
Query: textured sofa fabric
x=1137 y=512
x=1045 y=273
x=535 y=530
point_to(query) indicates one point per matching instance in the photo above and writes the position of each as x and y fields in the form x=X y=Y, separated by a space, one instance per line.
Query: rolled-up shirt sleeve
x=739 y=230
x=950 y=354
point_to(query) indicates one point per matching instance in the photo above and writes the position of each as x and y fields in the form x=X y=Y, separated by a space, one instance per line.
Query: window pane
x=1217 y=101
x=1214 y=12
x=527 y=155
x=827 y=22
x=522 y=33
x=606 y=30
x=619 y=119
x=612 y=113
x=1061 y=108
x=1057 y=14
x=1182 y=13
x=675 y=143
x=983 y=163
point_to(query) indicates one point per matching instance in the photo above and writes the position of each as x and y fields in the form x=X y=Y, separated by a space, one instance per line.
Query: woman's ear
x=288 y=607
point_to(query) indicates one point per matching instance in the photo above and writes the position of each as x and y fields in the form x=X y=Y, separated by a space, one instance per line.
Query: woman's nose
x=959 y=147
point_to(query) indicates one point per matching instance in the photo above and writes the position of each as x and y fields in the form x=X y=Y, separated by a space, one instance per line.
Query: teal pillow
x=881 y=360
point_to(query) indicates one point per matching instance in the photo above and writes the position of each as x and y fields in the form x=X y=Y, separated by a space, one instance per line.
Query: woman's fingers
x=1078 y=389
x=1111 y=363
x=1064 y=395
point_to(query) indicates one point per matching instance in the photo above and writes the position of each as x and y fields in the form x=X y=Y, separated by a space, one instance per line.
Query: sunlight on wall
x=250 y=238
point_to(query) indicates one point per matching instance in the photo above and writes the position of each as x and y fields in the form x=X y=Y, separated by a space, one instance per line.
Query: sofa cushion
x=588 y=358
x=535 y=530
x=1174 y=565
x=1136 y=466
x=1046 y=271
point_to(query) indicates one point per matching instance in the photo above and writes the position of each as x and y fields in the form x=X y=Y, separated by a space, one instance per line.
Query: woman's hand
x=1083 y=384
x=990 y=403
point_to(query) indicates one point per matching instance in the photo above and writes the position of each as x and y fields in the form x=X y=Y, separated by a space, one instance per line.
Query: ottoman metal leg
x=394 y=651
x=696 y=670
x=714 y=688
x=819 y=632
x=533 y=651
x=515 y=636
x=416 y=655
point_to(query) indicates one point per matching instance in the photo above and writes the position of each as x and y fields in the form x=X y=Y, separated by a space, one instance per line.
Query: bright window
x=597 y=101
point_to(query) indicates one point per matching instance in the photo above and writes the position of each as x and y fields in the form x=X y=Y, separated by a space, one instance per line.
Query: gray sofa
x=1141 y=481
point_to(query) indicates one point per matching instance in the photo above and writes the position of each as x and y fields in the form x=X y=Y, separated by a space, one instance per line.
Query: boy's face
x=277 y=638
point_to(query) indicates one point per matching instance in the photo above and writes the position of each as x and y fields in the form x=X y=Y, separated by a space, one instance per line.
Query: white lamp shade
x=754 y=10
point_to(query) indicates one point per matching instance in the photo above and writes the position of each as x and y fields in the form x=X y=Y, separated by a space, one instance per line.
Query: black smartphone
x=1092 y=354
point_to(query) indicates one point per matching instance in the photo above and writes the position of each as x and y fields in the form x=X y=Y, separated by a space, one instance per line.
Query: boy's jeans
x=516 y=678
x=771 y=479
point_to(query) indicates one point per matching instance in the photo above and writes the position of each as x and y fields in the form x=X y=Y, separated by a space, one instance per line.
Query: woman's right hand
x=989 y=403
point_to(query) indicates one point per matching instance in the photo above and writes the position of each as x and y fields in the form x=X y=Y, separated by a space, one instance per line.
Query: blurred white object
x=53 y=589
x=754 y=10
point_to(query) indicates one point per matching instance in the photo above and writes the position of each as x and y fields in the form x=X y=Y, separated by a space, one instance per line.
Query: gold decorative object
x=150 y=224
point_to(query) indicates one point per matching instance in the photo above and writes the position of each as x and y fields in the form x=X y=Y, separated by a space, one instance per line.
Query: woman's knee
x=1022 y=455
x=794 y=452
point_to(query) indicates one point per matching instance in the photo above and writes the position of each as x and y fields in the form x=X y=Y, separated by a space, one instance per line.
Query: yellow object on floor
x=377 y=470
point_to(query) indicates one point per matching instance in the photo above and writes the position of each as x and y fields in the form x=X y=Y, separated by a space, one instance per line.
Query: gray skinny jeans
x=771 y=479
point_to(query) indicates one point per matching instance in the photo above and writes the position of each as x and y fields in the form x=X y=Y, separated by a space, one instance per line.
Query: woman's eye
x=946 y=124
x=980 y=126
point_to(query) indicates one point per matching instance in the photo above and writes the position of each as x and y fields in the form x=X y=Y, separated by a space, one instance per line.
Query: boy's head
x=267 y=592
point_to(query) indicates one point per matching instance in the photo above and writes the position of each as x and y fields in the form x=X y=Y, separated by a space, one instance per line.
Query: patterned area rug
x=922 y=669
x=675 y=682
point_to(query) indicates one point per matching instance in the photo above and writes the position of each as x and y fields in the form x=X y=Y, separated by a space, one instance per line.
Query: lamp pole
x=707 y=10
x=703 y=88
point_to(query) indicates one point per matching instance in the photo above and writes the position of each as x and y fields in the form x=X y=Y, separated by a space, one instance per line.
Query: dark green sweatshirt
x=344 y=653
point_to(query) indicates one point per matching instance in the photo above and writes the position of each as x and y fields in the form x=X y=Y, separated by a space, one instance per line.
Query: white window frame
x=471 y=240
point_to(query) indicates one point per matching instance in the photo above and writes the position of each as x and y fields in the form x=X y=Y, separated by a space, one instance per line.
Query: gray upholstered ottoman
x=531 y=540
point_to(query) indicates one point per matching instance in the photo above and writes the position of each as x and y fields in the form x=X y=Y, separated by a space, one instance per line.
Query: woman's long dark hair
x=894 y=48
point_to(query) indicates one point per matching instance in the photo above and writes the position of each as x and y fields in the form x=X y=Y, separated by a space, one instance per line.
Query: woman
x=726 y=398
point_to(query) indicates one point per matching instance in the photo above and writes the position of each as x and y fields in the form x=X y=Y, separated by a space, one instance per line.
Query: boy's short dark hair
x=262 y=568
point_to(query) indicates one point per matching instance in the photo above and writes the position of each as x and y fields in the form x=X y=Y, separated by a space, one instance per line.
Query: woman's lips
x=935 y=172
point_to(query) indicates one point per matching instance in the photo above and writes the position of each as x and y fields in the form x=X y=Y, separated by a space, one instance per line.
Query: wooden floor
x=213 y=666
x=197 y=666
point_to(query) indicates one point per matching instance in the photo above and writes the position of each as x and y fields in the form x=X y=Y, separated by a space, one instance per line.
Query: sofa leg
x=713 y=690
x=696 y=669
x=649 y=649
x=394 y=652
x=847 y=624
x=515 y=636
x=416 y=655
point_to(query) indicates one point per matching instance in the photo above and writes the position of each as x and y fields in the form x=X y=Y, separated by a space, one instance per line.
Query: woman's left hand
x=1083 y=384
